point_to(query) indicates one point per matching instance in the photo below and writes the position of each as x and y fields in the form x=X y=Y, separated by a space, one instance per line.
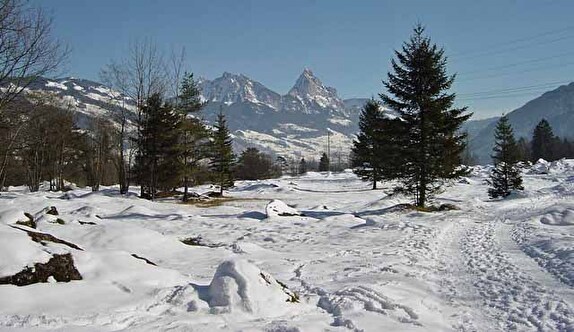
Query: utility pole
x=328 y=151
x=339 y=158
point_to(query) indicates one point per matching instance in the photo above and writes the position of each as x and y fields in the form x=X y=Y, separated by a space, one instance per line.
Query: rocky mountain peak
x=312 y=92
x=232 y=88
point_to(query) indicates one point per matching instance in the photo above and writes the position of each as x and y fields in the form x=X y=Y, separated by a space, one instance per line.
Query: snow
x=340 y=121
x=240 y=285
x=59 y=85
x=277 y=208
x=356 y=259
x=296 y=128
x=559 y=218
x=305 y=146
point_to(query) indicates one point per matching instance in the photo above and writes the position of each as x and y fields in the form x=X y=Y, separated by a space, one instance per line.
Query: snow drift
x=241 y=286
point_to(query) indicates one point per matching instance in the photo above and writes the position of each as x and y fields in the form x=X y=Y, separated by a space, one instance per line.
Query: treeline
x=544 y=145
x=40 y=142
x=510 y=155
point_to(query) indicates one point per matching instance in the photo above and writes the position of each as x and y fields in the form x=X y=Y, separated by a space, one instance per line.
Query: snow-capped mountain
x=297 y=123
x=313 y=95
x=87 y=98
x=230 y=88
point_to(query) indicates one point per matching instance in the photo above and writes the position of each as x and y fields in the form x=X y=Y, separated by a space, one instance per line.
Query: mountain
x=556 y=106
x=314 y=96
x=88 y=99
x=230 y=88
x=298 y=123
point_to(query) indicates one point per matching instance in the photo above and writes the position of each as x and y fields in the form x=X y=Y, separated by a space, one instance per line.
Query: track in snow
x=512 y=295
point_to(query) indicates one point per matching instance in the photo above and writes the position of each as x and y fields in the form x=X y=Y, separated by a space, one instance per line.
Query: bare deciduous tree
x=99 y=151
x=27 y=51
x=27 y=48
x=138 y=76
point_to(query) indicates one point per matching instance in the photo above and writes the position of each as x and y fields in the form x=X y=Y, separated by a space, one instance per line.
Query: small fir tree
x=222 y=157
x=193 y=135
x=505 y=176
x=156 y=164
x=302 y=166
x=543 y=141
x=367 y=147
x=324 y=163
x=252 y=164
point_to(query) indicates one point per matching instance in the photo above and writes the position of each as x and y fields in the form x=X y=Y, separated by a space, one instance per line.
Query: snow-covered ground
x=354 y=261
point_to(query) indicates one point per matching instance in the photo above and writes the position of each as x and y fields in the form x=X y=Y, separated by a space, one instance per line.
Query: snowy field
x=355 y=260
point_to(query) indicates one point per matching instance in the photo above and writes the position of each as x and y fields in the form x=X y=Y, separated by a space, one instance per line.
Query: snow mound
x=241 y=286
x=18 y=251
x=258 y=187
x=557 y=218
x=562 y=166
x=12 y=216
x=540 y=167
x=480 y=170
x=277 y=208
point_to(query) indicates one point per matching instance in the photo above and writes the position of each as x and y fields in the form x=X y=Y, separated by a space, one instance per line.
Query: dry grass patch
x=214 y=202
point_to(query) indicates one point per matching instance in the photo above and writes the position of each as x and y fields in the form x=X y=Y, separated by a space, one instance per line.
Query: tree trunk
x=185 y=188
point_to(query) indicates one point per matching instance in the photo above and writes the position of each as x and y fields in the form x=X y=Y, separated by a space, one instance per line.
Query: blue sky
x=493 y=46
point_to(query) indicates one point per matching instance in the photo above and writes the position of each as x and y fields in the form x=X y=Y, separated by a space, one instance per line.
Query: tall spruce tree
x=429 y=139
x=367 y=147
x=156 y=165
x=222 y=157
x=543 y=142
x=505 y=176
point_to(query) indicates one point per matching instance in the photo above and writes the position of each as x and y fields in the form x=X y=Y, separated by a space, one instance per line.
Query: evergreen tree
x=189 y=100
x=543 y=142
x=324 y=163
x=193 y=148
x=563 y=149
x=302 y=166
x=253 y=165
x=429 y=140
x=157 y=164
x=366 y=149
x=222 y=157
x=505 y=176
x=524 y=152
x=193 y=135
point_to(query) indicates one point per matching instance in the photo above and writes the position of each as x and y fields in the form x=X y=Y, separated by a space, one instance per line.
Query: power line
x=523 y=94
x=514 y=48
x=492 y=49
x=515 y=64
x=517 y=89
x=479 y=77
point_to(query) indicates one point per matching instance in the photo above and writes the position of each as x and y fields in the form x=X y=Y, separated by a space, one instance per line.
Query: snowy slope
x=356 y=260
x=87 y=98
